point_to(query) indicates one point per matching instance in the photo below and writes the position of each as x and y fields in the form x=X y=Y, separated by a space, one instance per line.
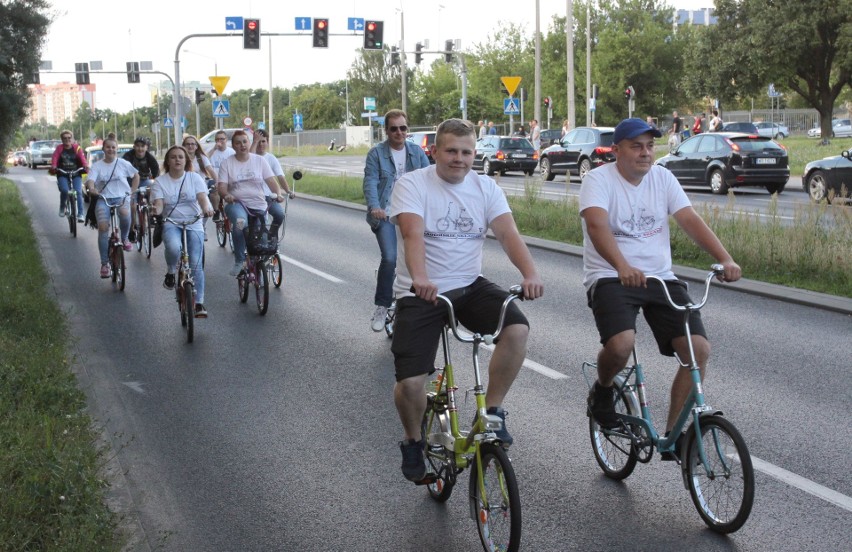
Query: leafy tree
x=800 y=45
x=372 y=75
x=23 y=26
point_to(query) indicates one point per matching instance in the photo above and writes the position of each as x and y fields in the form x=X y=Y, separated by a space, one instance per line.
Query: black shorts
x=615 y=308
x=418 y=323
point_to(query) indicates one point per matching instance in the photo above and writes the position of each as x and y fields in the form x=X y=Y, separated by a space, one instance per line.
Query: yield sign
x=511 y=84
x=219 y=83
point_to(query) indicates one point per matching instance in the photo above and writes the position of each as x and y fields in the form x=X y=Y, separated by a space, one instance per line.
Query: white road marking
x=803 y=484
x=312 y=270
x=135 y=385
x=536 y=367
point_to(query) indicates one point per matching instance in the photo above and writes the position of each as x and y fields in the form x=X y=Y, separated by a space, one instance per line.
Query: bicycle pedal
x=428 y=480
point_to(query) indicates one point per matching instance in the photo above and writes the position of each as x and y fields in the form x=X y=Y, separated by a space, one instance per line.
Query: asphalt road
x=279 y=432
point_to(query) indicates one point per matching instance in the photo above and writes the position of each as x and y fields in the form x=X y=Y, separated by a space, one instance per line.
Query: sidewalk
x=814 y=299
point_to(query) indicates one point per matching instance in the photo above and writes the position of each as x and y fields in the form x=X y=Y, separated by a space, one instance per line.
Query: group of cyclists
x=187 y=187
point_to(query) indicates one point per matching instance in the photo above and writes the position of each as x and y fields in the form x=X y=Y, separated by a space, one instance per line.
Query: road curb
x=797 y=296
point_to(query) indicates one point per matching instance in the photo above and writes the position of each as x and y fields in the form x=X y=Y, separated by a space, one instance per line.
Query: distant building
x=56 y=103
x=704 y=16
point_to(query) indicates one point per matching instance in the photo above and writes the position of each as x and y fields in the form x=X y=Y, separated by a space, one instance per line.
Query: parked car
x=740 y=126
x=505 y=153
x=578 y=152
x=725 y=160
x=96 y=153
x=425 y=141
x=550 y=136
x=776 y=131
x=208 y=141
x=840 y=128
x=829 y=178
x=41 y=152
x=20 y=158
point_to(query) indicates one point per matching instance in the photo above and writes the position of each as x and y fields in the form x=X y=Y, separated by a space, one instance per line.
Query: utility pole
x=588 y=64
x=537 y=99
x=402 y=70
x=569 y=41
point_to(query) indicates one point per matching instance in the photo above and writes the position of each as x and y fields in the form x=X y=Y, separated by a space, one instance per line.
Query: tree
x=23 y=26
x=800 y=45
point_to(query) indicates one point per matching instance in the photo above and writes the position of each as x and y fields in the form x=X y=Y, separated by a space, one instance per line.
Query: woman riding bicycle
x=69 y=156
x=179 y=194
x=108 y=179
x=241 y=184
x=200 y=162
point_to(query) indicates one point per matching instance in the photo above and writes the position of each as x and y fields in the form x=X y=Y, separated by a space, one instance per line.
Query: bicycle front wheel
x=243 y=286
x=723 y=490
x=188 y=308
x=614 y=450
x=261 y=287
x=276 y=271
x=148 y=238
x=72 y=214
x=437 y=456
x=221 y=236
x=497 y=502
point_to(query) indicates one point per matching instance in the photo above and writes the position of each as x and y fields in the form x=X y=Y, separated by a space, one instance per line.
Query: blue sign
x=221 y=108
x=261 y=125
x=355 y=24
x=297 y=122
x=510 y=106
x=233 y=23
x=303 y=23
x=168 y=123
x=183 y=122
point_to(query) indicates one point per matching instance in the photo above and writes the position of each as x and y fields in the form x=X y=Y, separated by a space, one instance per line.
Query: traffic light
x=133 y=72
x=251 y=34
x=320 y=33
x=374 y=35
x=595 y=91
x=418 y=56
x=503 y=89
x=394 y=55
x=32 y=78
x=200 y=96
x=629 y=93
x=547 y=101
x=448 y=56
x=82 y=71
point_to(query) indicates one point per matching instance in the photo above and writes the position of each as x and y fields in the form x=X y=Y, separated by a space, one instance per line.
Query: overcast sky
x=115 y=33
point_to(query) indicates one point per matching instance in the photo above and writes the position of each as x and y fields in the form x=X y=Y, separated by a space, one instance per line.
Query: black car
x=425 y=141
x=578 y=152
x=740 y=126
x=829 y=178
x=550 y=136
x=725 y=160
x=505 y=153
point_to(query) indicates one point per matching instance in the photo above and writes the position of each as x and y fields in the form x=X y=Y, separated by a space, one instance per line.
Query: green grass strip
x=51 y=491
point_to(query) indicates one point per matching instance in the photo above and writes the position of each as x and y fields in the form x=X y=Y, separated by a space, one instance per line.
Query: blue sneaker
x=413 y=462
x=502 y=434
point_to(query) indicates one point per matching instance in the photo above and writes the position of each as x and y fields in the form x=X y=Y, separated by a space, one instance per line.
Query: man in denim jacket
x=386 y=162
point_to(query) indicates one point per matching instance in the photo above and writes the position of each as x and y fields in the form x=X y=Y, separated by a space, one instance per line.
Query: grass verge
x=813 y=253
x=51 y=491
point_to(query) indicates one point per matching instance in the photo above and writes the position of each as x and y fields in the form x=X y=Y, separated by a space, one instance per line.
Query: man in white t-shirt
x=221 y=151
x=625 y=208
x=443 y=213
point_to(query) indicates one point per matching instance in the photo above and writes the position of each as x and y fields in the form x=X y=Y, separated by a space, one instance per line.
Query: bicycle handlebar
x=716 y=270
x=183 y=224
x=73 y=173
x=515 y=292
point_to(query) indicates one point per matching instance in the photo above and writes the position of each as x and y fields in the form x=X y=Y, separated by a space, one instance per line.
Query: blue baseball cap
x=631 y=128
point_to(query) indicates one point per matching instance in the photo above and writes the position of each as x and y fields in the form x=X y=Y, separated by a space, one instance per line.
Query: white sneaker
x=235 y=271
x=378 y=320
x=62 y=212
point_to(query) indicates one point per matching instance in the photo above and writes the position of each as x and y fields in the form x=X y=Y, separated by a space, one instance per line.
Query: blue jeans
x=195 y=244
x=102 y=214
x=386 y=236
x=62 y=184
x=238 y=216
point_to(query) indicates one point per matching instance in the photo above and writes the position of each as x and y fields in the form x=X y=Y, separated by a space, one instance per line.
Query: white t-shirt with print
x=638 y=217
x=456 y=218
x=186 y=206
x=216 y=157
x=245 y=180
x=112 y=184
x=275 y=165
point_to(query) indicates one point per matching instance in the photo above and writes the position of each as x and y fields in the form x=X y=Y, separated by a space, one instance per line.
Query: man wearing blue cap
x=625 y=208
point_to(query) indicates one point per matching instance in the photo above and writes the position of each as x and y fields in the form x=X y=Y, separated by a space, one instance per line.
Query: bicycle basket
x=258 y=240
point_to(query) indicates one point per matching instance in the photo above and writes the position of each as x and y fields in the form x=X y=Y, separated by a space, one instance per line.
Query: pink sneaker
x=105 y=271
x=127 y=245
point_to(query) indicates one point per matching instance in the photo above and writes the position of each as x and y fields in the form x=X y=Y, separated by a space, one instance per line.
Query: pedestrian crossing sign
x=510 y=106
x=221 y=108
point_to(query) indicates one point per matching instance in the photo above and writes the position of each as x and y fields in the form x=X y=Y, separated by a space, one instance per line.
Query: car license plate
x=520 y=156
x=765 y=160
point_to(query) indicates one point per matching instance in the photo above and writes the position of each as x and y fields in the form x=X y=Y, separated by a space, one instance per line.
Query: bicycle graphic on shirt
x=462 y=222
x=645 y=222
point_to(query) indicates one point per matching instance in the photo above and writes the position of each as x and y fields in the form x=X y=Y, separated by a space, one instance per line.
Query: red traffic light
x=321 y=24
x=371 y=26
x=252 y=25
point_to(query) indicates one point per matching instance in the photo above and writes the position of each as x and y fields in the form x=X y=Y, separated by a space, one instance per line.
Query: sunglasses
x=402 y=128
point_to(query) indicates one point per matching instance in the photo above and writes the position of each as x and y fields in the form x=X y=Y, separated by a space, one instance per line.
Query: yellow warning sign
x=219 y=83
x=511 y=84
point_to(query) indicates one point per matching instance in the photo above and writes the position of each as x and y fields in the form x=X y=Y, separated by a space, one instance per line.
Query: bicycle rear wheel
x=276 y=271
x=119 y=268
x=614 y=450
x=148 y=243
x=723 y=493
x=72 y=214
x=188 y=309
x=221 y=236
x=261 y=287
x=496 y=499
x=243 y=285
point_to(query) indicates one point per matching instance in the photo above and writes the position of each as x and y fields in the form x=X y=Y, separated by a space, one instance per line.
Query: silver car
x=840 y=128
x=41 y=152
x=776 y=131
